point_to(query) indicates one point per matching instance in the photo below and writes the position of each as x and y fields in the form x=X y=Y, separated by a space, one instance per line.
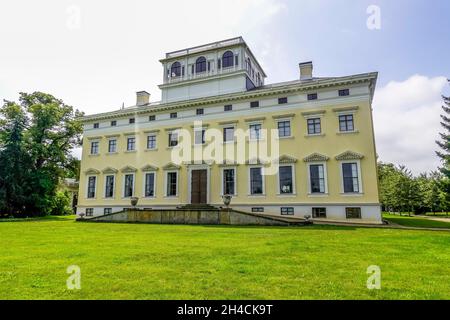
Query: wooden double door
x=199 y=186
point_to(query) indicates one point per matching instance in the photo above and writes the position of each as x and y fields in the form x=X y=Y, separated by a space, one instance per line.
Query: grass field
x=417 y=222
x=130 y=261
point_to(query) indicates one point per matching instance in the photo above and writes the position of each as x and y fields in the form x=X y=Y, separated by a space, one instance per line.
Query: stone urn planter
x=134 y=202
x=226 y=200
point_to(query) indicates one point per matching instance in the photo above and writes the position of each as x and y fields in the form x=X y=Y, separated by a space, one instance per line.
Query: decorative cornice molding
x=128 y=169
x=286 y=159
x=92 y=171
x=316 y=157
x=349 y=155
x=171 y=166
x=109 y=170
x=149 y=167
x=262 y=92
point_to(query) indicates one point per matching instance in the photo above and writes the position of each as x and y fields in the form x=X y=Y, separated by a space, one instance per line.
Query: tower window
x=200 y=65
x=228 y=59
x=175 y=69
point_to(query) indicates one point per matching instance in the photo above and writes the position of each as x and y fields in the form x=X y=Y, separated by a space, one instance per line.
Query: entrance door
x=199 y=182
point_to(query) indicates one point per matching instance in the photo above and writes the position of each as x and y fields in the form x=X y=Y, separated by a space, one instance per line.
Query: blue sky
x=96 y=54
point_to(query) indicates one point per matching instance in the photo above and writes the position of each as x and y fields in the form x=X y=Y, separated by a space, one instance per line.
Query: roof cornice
x=274 y=89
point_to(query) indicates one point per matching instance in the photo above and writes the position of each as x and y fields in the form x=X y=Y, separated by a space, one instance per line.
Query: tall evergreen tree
x=444 y=143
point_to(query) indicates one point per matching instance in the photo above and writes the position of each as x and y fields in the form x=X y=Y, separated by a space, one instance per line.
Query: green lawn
x=130 y=261
x=416 y=221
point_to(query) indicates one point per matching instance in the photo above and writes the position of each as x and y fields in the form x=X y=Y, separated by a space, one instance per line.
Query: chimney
x=306 y=69
x=142 y=98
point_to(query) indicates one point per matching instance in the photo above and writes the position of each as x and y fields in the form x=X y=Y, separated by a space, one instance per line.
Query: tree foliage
x=36 y=138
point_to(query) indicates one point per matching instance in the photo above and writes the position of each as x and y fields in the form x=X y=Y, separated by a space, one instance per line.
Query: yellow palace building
x=298 y=148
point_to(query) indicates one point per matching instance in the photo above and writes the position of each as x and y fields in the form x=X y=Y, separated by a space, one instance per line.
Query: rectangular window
x=314 y=126
x=282 y=100
x=353 y=213
x=112 y=146
x=255 y=131
x=228 y=134
x=89 y=212
x=150 y=184
x=200 y=112
x=228 y=181
x=173 y=139
x=254 y=104
x=346 y=123
x=284 y=128
x=113 y=123
x=94 y=147
x=109 y=187
x=107 y=211
x=287 y=211
x=312 y=96
x=319 y=212
x=152 y=118
x=350 y=176
x=91 y=187
x=131 y=120
x=228 y=107
x=199 y=136
x=173 y=115
x=151 y=142
x=317 y=178
x=344 y=92
x=131 y=144
x=286 y=181
x=129 y=184
x=256 y=181
x=96 y=125
x=171 y=184
x=257 y=209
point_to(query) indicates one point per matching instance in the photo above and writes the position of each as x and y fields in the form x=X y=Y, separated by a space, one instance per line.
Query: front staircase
x=196 y=215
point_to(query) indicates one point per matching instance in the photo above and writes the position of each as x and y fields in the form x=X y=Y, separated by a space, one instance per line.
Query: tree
x=47 y=131
x=444 y=144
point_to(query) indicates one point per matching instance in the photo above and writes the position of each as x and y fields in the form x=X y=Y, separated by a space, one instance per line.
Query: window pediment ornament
x=316 y=157
x=148 y=168
x=171 y=166
x=256 y=161
x=92 y=171
x=109 y=170
x=128 y=169
x=286 y=159
x=349 y=155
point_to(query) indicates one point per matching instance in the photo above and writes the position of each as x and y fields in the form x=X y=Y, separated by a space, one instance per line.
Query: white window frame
x=112 y=139
x=156 y=141
x=166 y=181
x=114 y=187
x=133 y=193
x=95 y=187
x=154 y=184
x=263 y=194
x=229 y=126
x=346 y=113
x=315 y=116
x=325 y=175
x=294 y=187
x=290 y=127
x=135 y=143
x=168 y=139
x=360 y=184
x=98 y=147
x=222 y=176
x=261 y=132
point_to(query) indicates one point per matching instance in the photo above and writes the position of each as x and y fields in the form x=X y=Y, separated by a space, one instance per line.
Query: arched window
x=200 y=65
x=175 y=69
x=228 y=59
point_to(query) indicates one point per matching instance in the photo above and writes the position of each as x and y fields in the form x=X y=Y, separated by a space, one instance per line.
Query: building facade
x=299 y=148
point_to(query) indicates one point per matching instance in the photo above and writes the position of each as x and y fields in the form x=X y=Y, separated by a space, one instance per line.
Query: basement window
x=287 y=211
x=353 y=213
x=319 y=212
x=107 y=211
x=89 y=212
x=257 y=209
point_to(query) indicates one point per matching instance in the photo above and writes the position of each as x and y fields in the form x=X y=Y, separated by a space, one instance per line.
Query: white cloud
x=115 y=50
x=407 y=121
